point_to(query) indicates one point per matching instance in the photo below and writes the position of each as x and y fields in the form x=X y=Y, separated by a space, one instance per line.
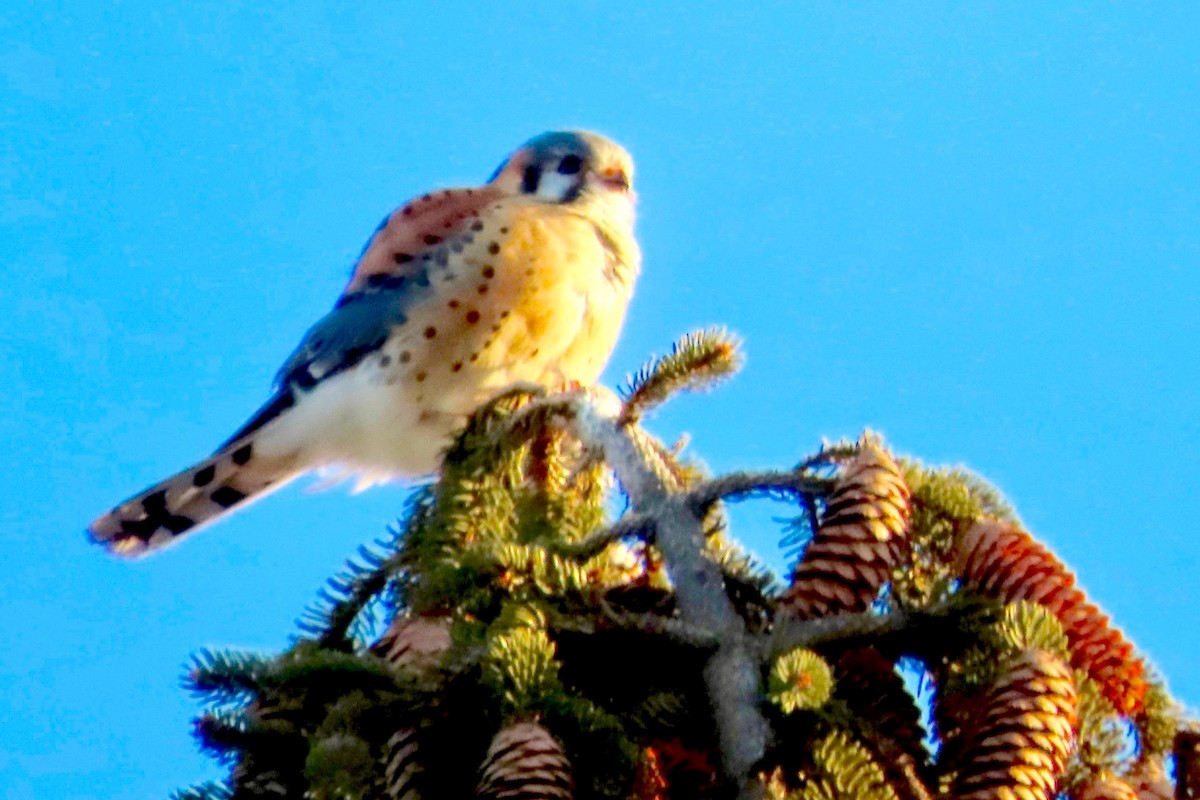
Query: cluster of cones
x=1013 y=736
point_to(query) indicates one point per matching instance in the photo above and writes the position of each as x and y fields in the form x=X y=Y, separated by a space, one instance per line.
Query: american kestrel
x=457 y=296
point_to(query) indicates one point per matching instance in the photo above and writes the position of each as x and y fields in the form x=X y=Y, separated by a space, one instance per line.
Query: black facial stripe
x=533 y=176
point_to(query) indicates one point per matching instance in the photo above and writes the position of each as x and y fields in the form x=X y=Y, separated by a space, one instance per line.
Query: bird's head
x=569 y=167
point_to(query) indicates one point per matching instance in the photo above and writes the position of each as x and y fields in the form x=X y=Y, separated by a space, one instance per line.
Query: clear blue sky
x=974 y=230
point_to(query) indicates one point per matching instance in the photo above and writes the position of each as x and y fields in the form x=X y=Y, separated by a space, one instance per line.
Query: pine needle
x=697 y=361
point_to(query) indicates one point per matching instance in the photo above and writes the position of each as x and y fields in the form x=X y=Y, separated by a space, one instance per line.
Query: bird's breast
x=530 y=299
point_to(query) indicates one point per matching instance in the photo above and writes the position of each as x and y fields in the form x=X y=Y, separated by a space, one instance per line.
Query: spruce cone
x=524 y=762
x=887 y=717
x=401 y=766
x=1024 y=732
x=415 y=642
x=859 y=541
x=1002 y=561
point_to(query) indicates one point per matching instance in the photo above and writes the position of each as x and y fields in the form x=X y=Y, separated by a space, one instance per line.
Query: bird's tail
x=229 y=479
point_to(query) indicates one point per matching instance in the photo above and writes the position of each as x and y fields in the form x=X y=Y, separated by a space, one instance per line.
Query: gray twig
x=732 y=673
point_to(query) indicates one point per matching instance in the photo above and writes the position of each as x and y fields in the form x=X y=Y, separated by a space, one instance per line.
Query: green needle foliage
x=508 y=597
x=800 y=679
x=697 y=361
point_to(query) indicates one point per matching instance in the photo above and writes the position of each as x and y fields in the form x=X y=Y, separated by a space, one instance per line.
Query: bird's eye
x=570 y=165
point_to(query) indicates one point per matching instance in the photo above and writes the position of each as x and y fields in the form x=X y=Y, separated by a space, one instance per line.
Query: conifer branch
x=210 y=790
x=732 y=673
x=658 y=625
x=947 y=622
x=794 y=485
x=630 y=525
x=345 y=595
x=225 y=676
x=515 y=595
x=697 y=361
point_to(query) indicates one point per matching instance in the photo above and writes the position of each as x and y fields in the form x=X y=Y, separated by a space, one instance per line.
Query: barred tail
x=185 y=502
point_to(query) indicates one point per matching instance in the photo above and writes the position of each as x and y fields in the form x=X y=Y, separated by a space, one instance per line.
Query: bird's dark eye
x=570 y=165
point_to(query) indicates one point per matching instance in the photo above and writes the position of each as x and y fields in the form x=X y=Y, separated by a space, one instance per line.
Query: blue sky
x=972 y=228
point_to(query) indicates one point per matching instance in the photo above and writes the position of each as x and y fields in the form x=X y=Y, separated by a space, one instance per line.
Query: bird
x=457 y=296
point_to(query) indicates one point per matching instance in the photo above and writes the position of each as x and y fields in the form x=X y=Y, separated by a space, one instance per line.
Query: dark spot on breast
x=430 y=332
x=203 y=477
x=494 y=248
x=242 y=455
x=536 y=350
x=504 y=230
x=227 y=496
x=474 y=356
x=477 y=225
x=402 y=258
x=456 y=247
x=503 y=314
x=453 y=304
x=489 y=272
x=482 y=289
x=385 y=361
x=425 y=198
x=457 y=366
x=408 y=211
x=472 y=317
x=431 y=240
x=420 y=376
x=495 y=329
x=405 y=357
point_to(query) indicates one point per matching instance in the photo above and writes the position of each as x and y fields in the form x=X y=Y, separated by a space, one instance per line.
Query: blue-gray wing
x=355 y=328
x=358 y=326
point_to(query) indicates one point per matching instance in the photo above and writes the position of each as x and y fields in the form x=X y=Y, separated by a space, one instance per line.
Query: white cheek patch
x=555 y=186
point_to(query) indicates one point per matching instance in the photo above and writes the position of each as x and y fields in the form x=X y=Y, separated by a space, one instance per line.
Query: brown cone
x=1023 y=734
x=1002 y=561
x=859 y=541
x=867 y=682
x=415 y=642
x=524 y=762
x=402 y=766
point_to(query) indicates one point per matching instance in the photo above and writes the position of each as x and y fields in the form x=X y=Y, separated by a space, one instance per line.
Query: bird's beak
x=613 y=178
